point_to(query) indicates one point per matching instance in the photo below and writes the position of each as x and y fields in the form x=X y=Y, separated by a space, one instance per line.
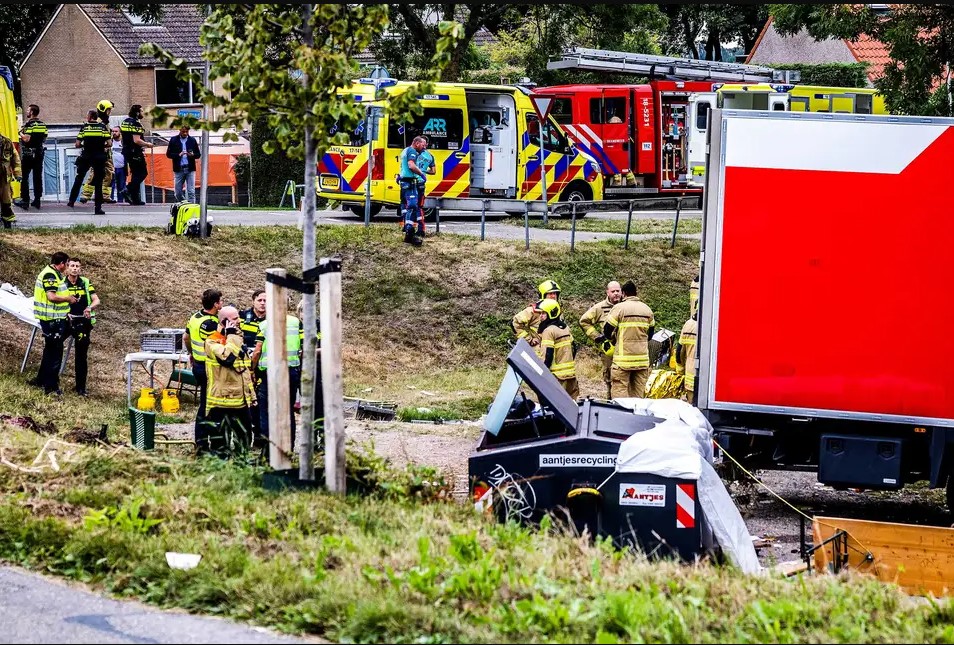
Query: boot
x=410 y=238
x=7 y=215
x=22 y=204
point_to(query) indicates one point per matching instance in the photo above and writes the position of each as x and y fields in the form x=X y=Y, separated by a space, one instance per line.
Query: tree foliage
x=412 y=36
x=257 y=49
x=919 y=38
x=532 y=34
x=714 y=24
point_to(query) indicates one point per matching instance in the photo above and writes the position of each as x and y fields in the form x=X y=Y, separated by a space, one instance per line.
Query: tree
x=541 y=32
x=919 y=38
x=287 y=63
x=715 y=24
x=414 y=33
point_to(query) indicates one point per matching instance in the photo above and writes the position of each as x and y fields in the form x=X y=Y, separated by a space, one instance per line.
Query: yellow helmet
x=548 y=286
x=104 y=105
x=550 y=307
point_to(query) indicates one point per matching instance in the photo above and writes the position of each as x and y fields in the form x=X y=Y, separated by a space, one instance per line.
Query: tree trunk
x=306 y=467
x=713 y=45
x=451 y=73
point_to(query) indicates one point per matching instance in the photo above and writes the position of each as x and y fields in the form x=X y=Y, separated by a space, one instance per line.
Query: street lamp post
x=372 y=115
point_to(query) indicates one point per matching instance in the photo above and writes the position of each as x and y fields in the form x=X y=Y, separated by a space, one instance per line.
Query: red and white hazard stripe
x=685 y=506
x=581 y=133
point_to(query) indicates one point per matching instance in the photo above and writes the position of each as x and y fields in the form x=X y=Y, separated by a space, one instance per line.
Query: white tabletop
x=19 y=306
x=136 y=357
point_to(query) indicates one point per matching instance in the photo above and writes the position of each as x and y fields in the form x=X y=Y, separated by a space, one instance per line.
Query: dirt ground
x=448 y=447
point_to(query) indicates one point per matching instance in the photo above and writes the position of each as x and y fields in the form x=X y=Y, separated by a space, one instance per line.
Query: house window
x=173 y=91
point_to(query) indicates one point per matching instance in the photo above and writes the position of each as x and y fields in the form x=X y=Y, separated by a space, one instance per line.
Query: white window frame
x=155 y=88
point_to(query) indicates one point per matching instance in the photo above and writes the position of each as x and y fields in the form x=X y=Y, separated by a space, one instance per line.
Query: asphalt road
x=40 y=610
x=498 y=226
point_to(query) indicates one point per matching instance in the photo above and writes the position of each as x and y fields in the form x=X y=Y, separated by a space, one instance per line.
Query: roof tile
x=178 y=32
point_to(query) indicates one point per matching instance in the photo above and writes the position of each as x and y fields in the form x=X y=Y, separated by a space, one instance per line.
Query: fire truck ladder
x=689 y=69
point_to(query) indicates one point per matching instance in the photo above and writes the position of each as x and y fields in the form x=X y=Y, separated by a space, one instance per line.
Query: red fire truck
x=638 y=133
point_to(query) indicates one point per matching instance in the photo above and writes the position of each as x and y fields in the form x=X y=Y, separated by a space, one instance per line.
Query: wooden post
x=279 y=410
x=330 y=305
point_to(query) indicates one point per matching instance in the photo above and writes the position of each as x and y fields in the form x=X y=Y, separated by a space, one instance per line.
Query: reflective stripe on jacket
x=43 y=309
x=198 y=335
x=632 y=319
x=688 y=339
x=560 y=340
x=230 y=383
x=595 y=317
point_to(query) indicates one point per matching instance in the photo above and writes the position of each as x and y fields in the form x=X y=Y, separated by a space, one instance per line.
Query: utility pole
x=204 y=191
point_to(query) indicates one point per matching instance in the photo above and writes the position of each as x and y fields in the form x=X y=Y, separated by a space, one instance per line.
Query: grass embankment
x=598 y=225
x=426 y=327
x=398 y=565
x=403 y=564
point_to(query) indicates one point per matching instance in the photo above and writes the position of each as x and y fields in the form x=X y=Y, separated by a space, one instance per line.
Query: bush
x=271 y=172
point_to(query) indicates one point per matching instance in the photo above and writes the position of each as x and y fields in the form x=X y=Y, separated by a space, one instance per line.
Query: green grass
x=399 y=565
x=639 y=226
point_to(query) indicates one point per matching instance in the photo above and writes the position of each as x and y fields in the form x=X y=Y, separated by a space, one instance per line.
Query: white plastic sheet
x=680 y=447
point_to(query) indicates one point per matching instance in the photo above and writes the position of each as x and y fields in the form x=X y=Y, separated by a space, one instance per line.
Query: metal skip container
x=561 y=458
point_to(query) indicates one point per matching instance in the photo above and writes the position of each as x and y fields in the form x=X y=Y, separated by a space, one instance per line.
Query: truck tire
x=577 y=191
x=358 y=211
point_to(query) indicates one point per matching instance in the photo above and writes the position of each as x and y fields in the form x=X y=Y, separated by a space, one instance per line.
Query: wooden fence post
x=279 y=406
x=330 y=308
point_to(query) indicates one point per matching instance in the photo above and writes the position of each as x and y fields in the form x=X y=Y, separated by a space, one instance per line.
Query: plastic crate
x=161 y=340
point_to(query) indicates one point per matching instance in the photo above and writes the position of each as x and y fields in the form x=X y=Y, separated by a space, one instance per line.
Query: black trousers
x=201 y=378
x=80 y=330
x=214 y=437
x=54 y=335
x=137 y=172
x=83 y=164
x=32 y=164
x=261 y=392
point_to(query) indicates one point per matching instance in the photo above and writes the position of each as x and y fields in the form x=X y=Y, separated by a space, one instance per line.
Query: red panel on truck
x=836 y=266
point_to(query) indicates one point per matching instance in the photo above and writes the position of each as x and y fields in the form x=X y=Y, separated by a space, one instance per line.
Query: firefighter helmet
x=548 y=286
x=104 y=105
x=550 y=307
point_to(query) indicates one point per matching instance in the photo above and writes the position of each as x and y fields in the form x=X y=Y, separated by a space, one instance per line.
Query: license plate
x=330 y=183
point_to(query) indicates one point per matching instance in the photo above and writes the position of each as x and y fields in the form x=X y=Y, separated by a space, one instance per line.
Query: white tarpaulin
x=17 y=304
x=681 y=448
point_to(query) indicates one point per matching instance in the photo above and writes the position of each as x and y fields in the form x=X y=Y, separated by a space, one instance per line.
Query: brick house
x=88 y=52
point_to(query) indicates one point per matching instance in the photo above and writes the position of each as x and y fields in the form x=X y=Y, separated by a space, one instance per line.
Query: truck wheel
x=576 y=192
x=358 y=211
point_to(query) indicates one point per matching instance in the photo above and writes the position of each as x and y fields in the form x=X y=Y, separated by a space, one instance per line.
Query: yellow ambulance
x=8 y=115
x=485 y=140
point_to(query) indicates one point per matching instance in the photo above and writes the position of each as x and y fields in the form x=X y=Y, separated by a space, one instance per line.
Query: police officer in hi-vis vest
x=51 y=304
x=32 y=137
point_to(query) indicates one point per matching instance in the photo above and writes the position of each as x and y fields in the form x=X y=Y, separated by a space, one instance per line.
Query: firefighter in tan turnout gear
x=592 y=323
x=559 y=347
x=9 y=172
x=630 y=325
x=687 y=354
x=526 y=322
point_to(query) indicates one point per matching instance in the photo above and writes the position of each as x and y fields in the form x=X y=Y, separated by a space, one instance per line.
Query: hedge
x=830 y=74
x=270 y=172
